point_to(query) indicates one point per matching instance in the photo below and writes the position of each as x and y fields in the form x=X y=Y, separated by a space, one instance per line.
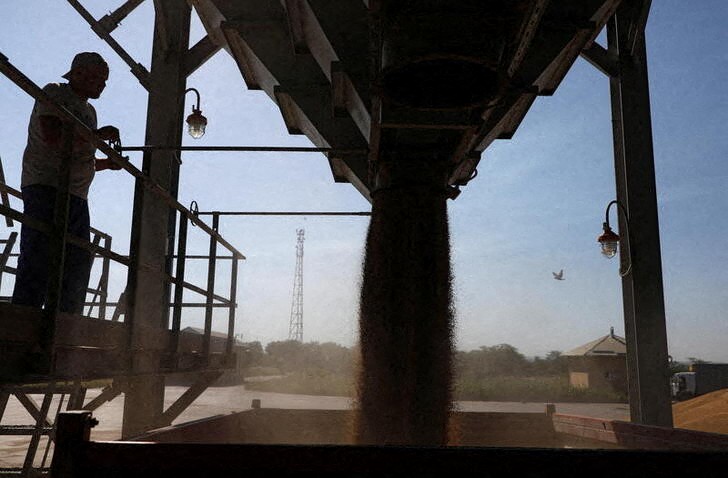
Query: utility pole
x=295 y=327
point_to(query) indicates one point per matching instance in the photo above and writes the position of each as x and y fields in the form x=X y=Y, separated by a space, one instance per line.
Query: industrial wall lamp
x=609 y=240
x=196 y=123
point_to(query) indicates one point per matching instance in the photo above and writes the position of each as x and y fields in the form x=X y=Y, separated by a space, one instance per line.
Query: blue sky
x=536 y=206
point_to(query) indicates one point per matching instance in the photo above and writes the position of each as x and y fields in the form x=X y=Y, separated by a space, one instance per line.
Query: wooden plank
x=82 y=331
x=638 y=436
x=22 y=324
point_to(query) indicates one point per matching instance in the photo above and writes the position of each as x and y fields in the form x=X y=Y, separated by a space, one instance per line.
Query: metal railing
x=58 y=237
x=100 y=293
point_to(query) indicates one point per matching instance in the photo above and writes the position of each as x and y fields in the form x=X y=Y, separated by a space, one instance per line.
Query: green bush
x=505 y=389
x=530 y=389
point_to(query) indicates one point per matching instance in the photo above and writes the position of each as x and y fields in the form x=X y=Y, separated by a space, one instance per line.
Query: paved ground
x=224 y=400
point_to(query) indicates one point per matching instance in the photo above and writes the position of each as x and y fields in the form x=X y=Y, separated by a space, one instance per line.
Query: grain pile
x=707 y=413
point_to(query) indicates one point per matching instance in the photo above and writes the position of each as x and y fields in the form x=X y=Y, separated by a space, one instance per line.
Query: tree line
x=487 y=361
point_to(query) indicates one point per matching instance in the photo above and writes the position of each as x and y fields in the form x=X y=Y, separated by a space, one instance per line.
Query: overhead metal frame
x=625 y=63
x=316 y=50
x=306 y=38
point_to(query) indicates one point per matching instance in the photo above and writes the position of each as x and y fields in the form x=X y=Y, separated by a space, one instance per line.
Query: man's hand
x=108 y=133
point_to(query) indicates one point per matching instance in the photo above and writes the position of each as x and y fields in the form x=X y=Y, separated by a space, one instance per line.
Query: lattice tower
x=295 y=327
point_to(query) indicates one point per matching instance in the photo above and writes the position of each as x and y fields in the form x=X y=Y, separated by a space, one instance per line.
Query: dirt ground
x=224 y=400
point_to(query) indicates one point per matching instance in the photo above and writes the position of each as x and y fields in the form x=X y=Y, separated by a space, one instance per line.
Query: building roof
x=199 y=331
x=608 y=345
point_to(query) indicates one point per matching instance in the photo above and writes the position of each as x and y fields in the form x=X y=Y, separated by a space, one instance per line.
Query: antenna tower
x=295 y=328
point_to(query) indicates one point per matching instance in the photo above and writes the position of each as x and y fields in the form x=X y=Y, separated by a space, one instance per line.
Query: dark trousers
x=31 y=280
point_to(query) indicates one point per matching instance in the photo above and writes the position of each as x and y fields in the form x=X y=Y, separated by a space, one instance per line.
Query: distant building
x=218 y=340
x=601 y=363
x=192 y=337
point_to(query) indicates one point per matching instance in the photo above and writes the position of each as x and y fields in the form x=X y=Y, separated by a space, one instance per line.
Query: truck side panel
x=710 y=377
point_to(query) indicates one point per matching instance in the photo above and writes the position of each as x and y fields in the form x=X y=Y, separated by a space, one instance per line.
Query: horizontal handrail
x=284 y=213
x=10 y=190
x=48 y=229
x=175 y=256
x=99 y=250
x=198 y=305
x=197 y=289
x=93 y=248
x=30 y=221
x=253 y=149
x=172 y=304
x=6 y=188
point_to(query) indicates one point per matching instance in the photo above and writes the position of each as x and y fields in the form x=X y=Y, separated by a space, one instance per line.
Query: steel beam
x=152 y=226
x=37 y=431
x=32 y=408
x=190 y=395
x=600 y=58
x=137 y=69
x=5 y=254
x=259 y=36
x=211 y=263
x=76 y=397
x=107 y=394
x=111 y=21
x=4 y=396
x=198 y=54
x=642 y=290
x=4 y=199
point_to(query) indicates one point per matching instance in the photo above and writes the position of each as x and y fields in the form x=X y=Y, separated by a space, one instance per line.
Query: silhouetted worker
x=40 y=179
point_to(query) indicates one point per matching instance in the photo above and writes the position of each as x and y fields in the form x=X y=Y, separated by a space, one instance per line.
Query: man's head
x=88 y=74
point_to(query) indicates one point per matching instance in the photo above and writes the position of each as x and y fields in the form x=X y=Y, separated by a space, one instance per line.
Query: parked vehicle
x=701 y=378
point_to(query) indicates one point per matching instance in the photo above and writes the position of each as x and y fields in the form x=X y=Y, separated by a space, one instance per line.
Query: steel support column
x=644 y=307
x=152 y=226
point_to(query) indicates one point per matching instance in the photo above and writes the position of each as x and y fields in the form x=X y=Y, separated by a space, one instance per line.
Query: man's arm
x=106 y=163
x=51 y=130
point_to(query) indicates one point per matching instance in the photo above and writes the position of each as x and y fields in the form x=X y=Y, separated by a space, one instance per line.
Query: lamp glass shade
x=609 y=242
x=196 y=124
x=609 y=249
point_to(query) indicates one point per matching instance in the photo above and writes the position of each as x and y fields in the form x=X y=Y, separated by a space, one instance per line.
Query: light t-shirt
x=41 y=163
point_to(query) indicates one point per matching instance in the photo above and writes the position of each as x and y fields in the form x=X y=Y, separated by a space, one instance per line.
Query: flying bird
x=559 y=276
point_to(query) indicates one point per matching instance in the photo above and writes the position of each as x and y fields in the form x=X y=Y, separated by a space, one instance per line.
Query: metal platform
x=88 y=349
